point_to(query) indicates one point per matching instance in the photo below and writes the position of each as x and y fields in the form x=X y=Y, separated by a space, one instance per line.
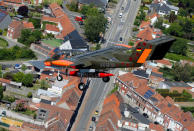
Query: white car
x=120 y=15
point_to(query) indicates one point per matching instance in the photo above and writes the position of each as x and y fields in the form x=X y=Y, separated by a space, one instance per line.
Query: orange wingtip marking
x=62 y=62
x=144 y=56
x=124 y=45
x=47 y=63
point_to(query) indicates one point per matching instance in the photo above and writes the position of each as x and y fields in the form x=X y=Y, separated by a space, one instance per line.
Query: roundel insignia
x=130 y=58
x=127 y=64
x=137 y=54
x=150 y=46
x=144 y=44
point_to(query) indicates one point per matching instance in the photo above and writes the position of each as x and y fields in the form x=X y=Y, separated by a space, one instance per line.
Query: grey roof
x=45 y=101
x=3 y=14
x=157 y=75
x=98 y=3
x=37 y=64
x=76 y=40
x=138 y=116
x=141 y=73
x=176 y=84
x=160 y=7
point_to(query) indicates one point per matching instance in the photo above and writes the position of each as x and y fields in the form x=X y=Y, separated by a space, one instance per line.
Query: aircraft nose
x=47 y=63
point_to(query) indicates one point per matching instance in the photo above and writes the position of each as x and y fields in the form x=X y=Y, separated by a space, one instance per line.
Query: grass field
x=176 y=57
x=53 y=42
x=3 y=43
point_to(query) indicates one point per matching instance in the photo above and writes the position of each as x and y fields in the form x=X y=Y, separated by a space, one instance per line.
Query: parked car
x=96 y=112
x=121 y=39
x=93 y=119
x=120 y=15
x=3 y=113
x=145 y=115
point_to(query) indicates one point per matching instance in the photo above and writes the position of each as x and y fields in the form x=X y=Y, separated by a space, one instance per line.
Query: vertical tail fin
x=152 y=50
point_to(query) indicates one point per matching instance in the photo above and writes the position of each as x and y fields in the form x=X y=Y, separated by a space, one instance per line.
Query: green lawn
x=53 y=42
x=176 y=57
x=3 y=43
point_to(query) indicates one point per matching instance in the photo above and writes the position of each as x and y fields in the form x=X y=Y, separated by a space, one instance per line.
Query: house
x=14 y=29
x=5 y=20
x=52 y=29
x=70 y=98
x=74 y=41
x=55 y=118
x=148 y=33
x=110 y=113
x=28 y=25
x=130 y=114
x=158 y=108
x=16 y=3
x=153 y=18
x=98 y=3
x=163 y=63
x=163 y=8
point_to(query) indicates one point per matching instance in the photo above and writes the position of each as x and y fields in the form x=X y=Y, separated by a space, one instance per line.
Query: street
x=121 y=27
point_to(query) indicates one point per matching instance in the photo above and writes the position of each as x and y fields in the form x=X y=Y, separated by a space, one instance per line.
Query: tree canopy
x=28 y=36
x=27 y=80
x=16 y=52
x=179 y=47
x=1 y=92
x=23 y=10
x=94 y=25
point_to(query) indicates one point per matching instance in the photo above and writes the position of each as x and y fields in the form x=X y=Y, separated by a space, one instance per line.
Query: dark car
x=145 y=115
x=83 y=17
x=93 y=119
x=155 y=122
x=121 y=38
x=3 y=113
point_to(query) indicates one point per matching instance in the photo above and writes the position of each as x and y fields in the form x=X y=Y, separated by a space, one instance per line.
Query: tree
x=1 y=92
x=159 y=24
x=29 y=95
x=175 y=29
x=37 y=35
x=24 y=67
x=1 y=71
x=182 y=72
x=179 y=47
x=23 y=10
x=172 y=17
x=20 y=107
x=36 y=22
x=24 y=38
x=1 y=31
x=187 y=28
x=98 y=46
x=18 y=77
x=94 y=25
x=131 y=43
x=44 y=85
x=27 y=80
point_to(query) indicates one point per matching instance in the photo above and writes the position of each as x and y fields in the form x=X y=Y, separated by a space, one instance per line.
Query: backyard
x=3 y=43
x=53 y=42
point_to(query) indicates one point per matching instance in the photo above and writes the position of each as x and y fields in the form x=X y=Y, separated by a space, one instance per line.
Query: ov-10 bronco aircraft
x=96 y=63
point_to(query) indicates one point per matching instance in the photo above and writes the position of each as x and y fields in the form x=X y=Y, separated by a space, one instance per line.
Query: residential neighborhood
x=96 y=65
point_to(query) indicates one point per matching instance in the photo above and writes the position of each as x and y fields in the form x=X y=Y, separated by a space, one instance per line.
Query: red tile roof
x=110 y=112
x=137 y=82
x=144 y=24
x=153 y=15
x=15 y=24
x=71 y=97
x=65 y=115
x=164 y=61
x=50 y=27
x=5 y=80
x=146 y=34
x=50 y=19
x=155 y=127
x=14 y=1
x=28 y=25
